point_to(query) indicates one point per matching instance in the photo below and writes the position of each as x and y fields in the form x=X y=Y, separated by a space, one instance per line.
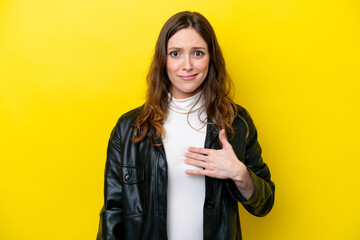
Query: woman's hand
x=221 y=163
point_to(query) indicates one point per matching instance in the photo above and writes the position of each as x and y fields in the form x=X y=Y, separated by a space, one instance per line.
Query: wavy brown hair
x=218 y=103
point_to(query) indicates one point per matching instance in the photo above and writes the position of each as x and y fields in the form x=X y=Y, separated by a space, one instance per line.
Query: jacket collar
x=212 y=132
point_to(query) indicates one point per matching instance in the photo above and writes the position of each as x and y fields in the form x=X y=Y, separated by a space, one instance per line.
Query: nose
x=187 y=66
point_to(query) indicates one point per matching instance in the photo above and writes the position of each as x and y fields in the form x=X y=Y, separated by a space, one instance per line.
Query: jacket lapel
x=160 y=146
x=212 y=133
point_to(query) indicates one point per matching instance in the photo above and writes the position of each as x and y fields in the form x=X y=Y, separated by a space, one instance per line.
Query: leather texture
x=135 y=191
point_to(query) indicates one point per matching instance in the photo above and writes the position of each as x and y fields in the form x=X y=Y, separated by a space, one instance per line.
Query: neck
x=186 y=105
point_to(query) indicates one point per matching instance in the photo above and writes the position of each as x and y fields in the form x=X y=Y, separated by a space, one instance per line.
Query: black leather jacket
x=135 y=204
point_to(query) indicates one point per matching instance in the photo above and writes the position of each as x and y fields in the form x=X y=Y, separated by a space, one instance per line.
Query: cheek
x=171 y=67
x=203 y=65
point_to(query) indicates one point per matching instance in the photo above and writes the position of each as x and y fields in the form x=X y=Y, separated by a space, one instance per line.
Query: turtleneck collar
x=183 y=106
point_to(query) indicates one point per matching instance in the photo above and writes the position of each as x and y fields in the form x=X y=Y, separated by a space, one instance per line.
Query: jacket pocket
x=133 y=194
x=131 y=175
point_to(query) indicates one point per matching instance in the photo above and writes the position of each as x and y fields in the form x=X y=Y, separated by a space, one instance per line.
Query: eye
x=174 y=54
x=198 y=53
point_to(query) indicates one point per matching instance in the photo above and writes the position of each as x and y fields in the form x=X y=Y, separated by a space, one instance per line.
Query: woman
x=170 y=170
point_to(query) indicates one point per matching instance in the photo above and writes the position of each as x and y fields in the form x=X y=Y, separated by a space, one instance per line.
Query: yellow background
x=70 y=68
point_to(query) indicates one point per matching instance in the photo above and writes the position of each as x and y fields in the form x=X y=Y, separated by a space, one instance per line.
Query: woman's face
x=187 y=62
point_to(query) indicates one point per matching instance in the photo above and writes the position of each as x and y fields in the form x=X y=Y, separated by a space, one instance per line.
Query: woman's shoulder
x=129 y=118
x=242 y=112
x=243 y=117
x=132 y=114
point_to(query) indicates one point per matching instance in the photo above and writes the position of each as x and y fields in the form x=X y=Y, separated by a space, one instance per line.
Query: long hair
x=218 y=103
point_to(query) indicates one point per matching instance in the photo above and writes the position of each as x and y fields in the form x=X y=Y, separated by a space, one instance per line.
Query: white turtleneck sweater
x=185 y=193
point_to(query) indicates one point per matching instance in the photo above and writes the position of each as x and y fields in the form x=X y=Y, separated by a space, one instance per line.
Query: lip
x=188 y=77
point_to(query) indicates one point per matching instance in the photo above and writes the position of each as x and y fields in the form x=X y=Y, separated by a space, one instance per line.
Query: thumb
x=223 y=139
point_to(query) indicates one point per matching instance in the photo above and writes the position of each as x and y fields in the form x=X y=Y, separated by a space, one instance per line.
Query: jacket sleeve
x=111 y=213
x=262 y=200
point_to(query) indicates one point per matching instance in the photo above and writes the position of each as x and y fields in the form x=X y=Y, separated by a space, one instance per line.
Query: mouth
x=188 y=77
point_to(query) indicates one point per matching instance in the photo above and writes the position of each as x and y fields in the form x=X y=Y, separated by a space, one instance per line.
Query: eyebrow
x=194 y=48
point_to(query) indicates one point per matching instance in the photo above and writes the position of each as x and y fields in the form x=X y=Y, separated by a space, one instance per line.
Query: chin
x=192 y=91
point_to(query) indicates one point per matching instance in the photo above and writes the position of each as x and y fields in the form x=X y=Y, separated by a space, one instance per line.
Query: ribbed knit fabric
x=186 y=193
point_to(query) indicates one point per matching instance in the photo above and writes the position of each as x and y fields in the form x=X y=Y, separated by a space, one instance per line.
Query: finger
x=195 y=163
x=223 y=139
x=195 y=156
x=195 y=172
x=203 y=151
